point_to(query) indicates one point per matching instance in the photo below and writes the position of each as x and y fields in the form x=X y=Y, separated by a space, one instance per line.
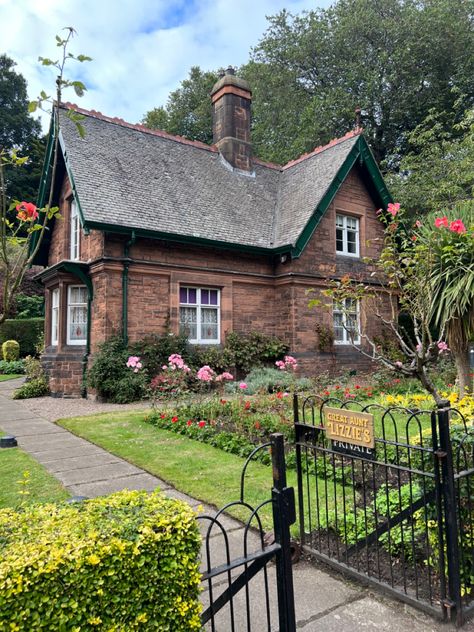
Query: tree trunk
x=461 y=360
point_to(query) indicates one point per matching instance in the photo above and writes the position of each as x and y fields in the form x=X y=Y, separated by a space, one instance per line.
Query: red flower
x=257 y=425
x=441 y=221
x=457 y=226
x=356 y=386
x=414 y=238
x=337 y=387
x=223 y=401
x=202 y=424
x=327 y=392
x=26 y=212
x=189 y=422
x=247 y=405
x=280 y=395
x=162 y=416
x=174 y=419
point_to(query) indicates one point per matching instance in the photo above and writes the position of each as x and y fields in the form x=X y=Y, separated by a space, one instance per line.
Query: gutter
x=126 y=266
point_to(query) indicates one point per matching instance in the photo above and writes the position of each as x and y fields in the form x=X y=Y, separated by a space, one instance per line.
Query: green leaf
x=32 y=106
x=82 y=58
x=46 y=62
x=80 y=129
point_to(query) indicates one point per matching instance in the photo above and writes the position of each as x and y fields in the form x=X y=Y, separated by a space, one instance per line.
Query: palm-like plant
x=452 y=278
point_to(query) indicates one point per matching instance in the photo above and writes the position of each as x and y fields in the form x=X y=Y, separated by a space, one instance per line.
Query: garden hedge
x=26 y=331
x=119 y=563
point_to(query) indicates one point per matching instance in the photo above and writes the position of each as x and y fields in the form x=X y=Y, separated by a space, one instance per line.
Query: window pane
x=188 y=322
x=204 y=297
x=338 y=334
x=192 y=295
x=339 y=220
x=339 y=240
x=209 y=332
x=213 y=297
x=77 y=323
x=183 y=295
x=351 y=223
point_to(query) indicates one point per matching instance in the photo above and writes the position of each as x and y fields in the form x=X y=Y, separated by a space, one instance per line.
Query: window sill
x=347 y=255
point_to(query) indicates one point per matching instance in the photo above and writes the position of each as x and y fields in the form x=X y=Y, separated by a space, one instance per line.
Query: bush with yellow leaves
x=120 y=563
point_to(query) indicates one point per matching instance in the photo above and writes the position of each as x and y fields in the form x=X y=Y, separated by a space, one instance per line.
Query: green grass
x=195 y=468
x=13 y=376
x=42 y=487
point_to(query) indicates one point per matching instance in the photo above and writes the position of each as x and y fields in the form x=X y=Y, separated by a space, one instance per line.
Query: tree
x=395 y=59
x=20 y=238
x=188 y=111
x=19 y=131
x=438 y=172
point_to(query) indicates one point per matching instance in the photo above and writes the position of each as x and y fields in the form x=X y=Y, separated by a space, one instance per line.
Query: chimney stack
x=231 y=99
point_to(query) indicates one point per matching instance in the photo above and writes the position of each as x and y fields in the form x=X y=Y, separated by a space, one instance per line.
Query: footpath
x=324 y=602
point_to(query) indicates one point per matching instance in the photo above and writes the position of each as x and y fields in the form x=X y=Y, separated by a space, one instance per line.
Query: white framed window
x=77 y=315
x=54 y=316
x=346 y=322
x=74 y=235
x=347 y=235
x=199 y=314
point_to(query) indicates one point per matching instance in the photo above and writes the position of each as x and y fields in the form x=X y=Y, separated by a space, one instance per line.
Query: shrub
x=155 y=350
x=268 y=380
x=29 y=306
x=10 y=350
x=110 y=376
x=124 y=562
x=245 y=351
x=26 y=331
x=33 y=368
x=37 y=387
x=10 y=368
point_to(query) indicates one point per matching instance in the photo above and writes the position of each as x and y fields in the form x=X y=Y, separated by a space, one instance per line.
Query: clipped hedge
x=27 y=331
x=120 y=563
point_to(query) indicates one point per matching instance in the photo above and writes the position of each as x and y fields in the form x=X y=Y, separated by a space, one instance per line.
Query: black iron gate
x=231 y=566
x=400 y=516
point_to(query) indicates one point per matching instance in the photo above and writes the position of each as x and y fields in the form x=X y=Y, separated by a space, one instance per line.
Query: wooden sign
x=350 y=427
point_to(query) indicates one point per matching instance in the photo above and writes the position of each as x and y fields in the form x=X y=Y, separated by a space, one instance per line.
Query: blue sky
x=141 y=49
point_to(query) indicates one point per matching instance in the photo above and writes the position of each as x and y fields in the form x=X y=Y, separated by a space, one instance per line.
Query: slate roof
x=130 y=177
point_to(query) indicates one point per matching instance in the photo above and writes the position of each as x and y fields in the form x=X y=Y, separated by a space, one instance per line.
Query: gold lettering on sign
x=349 y=426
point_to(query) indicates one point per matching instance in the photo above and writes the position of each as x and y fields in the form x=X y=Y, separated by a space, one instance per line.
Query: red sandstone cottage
x=159 y=233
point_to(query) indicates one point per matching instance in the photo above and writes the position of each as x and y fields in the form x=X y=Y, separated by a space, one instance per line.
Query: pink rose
x=243 y=386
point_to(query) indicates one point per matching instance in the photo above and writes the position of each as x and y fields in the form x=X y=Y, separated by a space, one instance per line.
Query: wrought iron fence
x=234 y=561
x=398 y=515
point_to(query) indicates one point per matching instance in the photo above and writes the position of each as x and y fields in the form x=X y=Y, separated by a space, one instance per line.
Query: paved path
x=323 y=602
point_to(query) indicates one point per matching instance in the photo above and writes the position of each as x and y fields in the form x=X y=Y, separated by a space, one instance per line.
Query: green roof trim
x=360 y=151
x=73 y=185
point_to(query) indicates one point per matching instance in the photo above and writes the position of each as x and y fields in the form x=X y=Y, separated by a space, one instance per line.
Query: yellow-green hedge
x=116 y=564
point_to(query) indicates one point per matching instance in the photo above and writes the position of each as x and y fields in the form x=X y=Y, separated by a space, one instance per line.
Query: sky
x=141 y=49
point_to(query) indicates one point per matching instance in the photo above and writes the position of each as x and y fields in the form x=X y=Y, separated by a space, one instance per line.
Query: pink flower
x=442 y=346
x=133 y=362
x=280 y=364
x=243 y=386
x=441 y=221
x=286 y=394
x=189 y=422
x=164 y=367
x=393 y=208
x=205 y=374
x=419 y=347
x=457 y=226
x=288 y=362
x=224 y=376
x=398 y=364
x=418 y=223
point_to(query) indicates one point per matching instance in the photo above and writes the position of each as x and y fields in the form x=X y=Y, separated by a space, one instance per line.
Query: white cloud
x=141 y=49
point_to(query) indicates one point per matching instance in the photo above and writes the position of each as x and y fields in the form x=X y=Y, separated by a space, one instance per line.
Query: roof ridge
x=317 y=150
x=138 y=127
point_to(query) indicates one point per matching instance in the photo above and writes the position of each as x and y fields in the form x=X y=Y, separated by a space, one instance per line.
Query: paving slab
x=102 y=472
x=53 y=454
x=69 y=464
x=371 y=614
x=41 y=443
x=143 y=481
x=31 y=427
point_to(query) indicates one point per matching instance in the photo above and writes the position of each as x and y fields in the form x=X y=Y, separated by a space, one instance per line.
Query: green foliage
x=29 y=306
x=188 y=111
x=10 y=368
x=155 y=350
x=125 y=562
x=246 y=351
x=438 y=171
x=110 y=376
x=26 y=331
x=10 y=350
x=37 y=387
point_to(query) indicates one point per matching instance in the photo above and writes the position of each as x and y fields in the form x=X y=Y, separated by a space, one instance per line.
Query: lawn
x=195 y=468
x=42 y=487
x=13 y=376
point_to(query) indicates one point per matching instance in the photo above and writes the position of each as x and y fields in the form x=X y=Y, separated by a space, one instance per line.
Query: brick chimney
x=231 y=98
